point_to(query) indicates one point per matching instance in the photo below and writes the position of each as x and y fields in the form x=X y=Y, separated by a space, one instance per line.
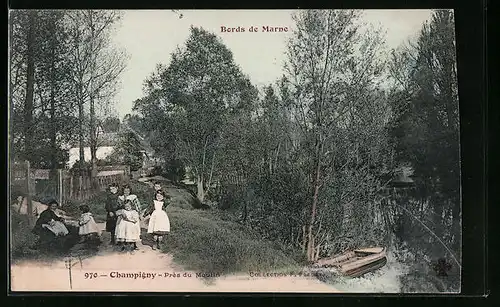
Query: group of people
x=50 y=226
x=123 y=220
x=125 y=216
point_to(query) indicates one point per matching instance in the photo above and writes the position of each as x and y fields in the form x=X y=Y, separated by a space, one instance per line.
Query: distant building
x=106 y=143
x=102 y=153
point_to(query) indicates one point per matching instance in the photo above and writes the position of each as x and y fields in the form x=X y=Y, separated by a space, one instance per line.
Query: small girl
x=128 y=231
x=159 y=224
x=128 y=196
x=88 y=227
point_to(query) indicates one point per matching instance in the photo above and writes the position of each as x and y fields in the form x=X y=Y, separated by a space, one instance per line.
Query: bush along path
x=202 y=254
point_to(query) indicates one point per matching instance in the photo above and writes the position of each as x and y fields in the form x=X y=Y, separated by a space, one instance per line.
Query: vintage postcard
x=293 y=151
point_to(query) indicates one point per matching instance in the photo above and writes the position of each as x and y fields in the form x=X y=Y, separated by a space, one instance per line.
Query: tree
x=128 y=151
x=332 y=66
x=191 y=100
x=426 y=125
x=111 y=124
x=96 y=68
x=30 y=76
x=51 y=110
x=53 y=77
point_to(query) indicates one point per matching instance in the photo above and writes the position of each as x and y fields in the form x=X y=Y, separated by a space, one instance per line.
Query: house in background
x=106 y=143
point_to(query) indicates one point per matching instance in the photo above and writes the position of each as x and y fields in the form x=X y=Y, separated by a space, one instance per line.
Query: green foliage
x=173 y=170
x=128 y=151
x=430 y=121
x=426 y=130
x=111 y=124
x=66 y=54
x=203 y=242
x=188 y=102
x=53 y=123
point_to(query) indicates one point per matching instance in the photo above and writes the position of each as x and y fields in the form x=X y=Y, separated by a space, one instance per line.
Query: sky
x=150 y=36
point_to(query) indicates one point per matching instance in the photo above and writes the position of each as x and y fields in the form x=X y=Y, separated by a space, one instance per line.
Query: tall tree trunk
x=316 y=186
x=93 y=143
x=93 y=123
x=80 y=132
x=53 y=120
x=28 y=107
x=200 y=191
x=30 y=76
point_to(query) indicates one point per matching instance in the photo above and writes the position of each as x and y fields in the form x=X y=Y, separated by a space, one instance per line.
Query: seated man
x=49 y=225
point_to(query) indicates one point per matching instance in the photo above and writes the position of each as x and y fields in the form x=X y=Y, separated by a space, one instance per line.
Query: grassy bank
x=203 y=242
x=21 y=238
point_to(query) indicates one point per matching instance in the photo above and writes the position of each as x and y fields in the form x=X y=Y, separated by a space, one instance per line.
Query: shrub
x=174 y=170
x=202 y=241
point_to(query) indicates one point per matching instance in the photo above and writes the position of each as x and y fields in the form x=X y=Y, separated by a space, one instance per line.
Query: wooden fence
x=77 y=187
x=22 y=182
x=65 y=186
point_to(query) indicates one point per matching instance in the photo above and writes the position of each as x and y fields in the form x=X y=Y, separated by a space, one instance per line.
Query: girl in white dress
x=88 y=228
x=159 y=223
x=127 y=233
x=135 y=203
x=127 y=195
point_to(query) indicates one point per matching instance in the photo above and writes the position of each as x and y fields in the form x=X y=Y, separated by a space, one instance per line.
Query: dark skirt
x=111 y=224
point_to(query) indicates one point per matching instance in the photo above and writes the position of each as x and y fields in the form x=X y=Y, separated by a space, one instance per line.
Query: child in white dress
x=128 y=196
x=127 y=231
x=88 y=228
x=159 y=223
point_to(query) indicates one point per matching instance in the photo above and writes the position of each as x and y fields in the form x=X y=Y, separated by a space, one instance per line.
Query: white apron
x=159 y=221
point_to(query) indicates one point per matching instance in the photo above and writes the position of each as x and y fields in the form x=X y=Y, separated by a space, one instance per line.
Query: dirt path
x=144 y=270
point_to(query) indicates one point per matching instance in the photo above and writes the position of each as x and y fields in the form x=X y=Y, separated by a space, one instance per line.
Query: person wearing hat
x=111 y=208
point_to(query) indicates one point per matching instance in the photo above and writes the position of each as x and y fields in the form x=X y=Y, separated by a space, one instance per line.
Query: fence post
x=29 y=190
x=60 y=186
x=71 y=186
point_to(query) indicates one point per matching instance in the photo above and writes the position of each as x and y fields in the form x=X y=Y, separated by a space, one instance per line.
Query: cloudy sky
x=149 y=37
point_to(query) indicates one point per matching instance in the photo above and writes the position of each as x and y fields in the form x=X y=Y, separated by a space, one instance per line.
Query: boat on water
x=354 y=263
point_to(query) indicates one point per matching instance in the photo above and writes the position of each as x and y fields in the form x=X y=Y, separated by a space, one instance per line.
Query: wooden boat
x=355 y=263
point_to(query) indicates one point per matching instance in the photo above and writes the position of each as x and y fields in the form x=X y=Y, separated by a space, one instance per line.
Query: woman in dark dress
x=47 y=217
x=111 y=208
